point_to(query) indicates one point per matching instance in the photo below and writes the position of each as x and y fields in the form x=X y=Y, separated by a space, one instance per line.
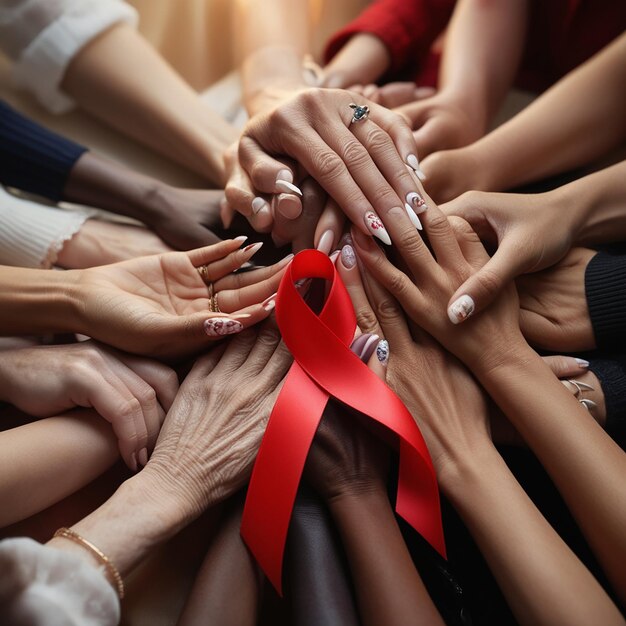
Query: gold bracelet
x=112 y=572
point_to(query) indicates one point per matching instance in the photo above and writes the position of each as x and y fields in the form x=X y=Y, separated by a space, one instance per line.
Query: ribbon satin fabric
x=324 y=366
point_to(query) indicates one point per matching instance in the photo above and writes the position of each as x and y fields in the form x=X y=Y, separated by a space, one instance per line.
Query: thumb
x=480 y=289
x=430 y=138
x=564 y=366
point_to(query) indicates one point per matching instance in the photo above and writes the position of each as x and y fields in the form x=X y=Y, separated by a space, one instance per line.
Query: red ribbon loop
x=324 y=366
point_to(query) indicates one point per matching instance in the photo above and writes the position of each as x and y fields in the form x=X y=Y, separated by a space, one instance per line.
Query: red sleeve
x=407 y=27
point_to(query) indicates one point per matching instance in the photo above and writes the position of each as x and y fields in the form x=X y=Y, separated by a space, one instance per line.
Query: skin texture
x=154 y=305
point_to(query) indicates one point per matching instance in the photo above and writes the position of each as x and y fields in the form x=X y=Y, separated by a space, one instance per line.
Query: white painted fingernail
x=461 y=309
x=415 y=166
x=414 y=219
x=333 y=256
x=348 y=258
x=220 y=326
x=285 y=186
x=376 y=227
x=582 y=362
x=241 y=238
x=382 y=352
x=285 y=175
x=258 y=204
x=325 y=244
x=416 y=201
x=270 y=302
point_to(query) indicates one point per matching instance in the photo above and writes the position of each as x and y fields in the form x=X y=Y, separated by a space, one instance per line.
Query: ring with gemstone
x=360 y=112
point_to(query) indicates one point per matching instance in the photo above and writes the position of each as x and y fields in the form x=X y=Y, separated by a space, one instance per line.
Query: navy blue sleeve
x=33 y=158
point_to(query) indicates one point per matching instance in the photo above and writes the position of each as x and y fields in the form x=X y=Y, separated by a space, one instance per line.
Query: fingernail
x=252 y=249
x=241 y=238
x=357 y=345
x=368 y=348
x=376 y=227
x=258 y=204
x=287 y=187
x=414 y=219
x=240 y=316
x=461 y=309
x=325 y=244
x=333 y=256
x=220 y=326
x=417 y=202
x=346 y=240
x=143 y=456
x=284 y=261
x=133 y=462
x=588 y=404
x=285 y=175
x=415 y=166
x=270 y=302
x=289 y=206
x=348 y=258
x=263 y=218
x=582 y=362
x=382 y=352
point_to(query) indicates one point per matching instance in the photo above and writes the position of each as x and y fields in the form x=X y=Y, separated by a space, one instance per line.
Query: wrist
x=368 y=490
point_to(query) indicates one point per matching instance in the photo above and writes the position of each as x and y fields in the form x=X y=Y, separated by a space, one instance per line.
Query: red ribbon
x=324 y=366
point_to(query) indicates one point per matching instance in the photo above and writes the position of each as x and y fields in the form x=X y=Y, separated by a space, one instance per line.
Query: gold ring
x=214 y=307
x=203 y=270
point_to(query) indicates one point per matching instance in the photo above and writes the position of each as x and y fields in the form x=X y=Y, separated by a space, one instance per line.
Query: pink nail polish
x=376 y=227
x=357 y=345
x=253 y=248
x=326 y=241
x=333 y=256
x=417 y=202
x=220 y=326
x=348 y=258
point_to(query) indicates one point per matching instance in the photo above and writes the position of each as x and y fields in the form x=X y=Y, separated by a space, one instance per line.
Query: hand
x=440 y=393
x=212 y=433
x=553 y=305
x=393 y=95
x=101 y=243
x=159 y=305
x=441 y=122
x=130 y=392
x=362 y=165
x=531 y=230
x=424 y=290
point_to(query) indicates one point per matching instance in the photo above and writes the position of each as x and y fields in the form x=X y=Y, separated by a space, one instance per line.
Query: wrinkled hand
x=212 y=433
x=159 y=305
x=132 y=393
x=553 y=306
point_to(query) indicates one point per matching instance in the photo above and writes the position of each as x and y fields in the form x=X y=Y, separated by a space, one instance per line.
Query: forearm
x=38 y=301
x=483 y=47
x=379 y=560
x=576 y=121
x=35 y=459
x=122 y=80
x=582 y=460
x=543 y=581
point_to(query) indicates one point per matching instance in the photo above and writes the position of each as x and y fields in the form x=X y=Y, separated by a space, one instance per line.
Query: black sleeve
x=605 y=288
x=612 y=375
x=33 y=158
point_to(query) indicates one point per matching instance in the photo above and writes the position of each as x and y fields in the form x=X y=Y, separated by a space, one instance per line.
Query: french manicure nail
x=287 y=187
x=258 y=204
x=382 y=352
x=220 y=326
x=143 y=456
x=270 y=302
x=285 y=175
x=253 y=248
x=582 y=362
x=416 y=201
x=289 y=206
x=461 y=309
x=359 y=342
x=376 y=227
x=368 y=348
x=348 y=258
x=333 y=256
x=415 y=166
x=325 y=244
x=413 y=217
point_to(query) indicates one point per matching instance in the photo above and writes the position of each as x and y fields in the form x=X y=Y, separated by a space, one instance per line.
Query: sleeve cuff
x=612 y=375
x=42 y=65
x=605 y=289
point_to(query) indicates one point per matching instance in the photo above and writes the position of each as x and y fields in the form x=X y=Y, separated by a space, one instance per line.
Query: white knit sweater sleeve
x=31 y=234
x=42 y=37
x=44 y=586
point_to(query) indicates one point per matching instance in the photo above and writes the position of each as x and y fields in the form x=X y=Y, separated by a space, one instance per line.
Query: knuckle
x=409 y=242
x=280 y=118
x=147 y=396
x=366 y=319
x=354 y=153
x=398 y=283
x=329 y=165
x=269 y=336
x=387 y=310
x=438 y=224
x=129 y=408
x=377 y=140
x=384 y=196
x=489 y=281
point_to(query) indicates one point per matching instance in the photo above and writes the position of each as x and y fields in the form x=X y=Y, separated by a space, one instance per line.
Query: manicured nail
x=270 y=302
x=289 y=206
x=226 y=214
x=263 y=218
x=582 y=362
x=348 y=258
x=588 y=404
x=240 y=316
x=133 y=462
x=284 y=261
x=414 y=219
x=376 y=227
x=417 y=202
x=333 y=256
x=220 y=326
x=143 y=456
x=368 y=348
x=357 y=345
x=258 y=204
x=241 y=238
x=286 y=186
x=415 y=166
x=325 y=244
x=252 y=249
x=285 y=175
x=382 y=352
x=461 y=309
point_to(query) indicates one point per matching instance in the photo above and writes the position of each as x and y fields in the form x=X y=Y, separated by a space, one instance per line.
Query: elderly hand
x=160 y=304
x=130 y=392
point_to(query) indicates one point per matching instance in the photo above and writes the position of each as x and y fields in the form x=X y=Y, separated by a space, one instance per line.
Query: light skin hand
x=132 y=393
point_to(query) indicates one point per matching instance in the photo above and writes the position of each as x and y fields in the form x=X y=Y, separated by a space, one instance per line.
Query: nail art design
x=326 y=242
x=414 y=164
x=416 y=201
x=288 y=187
x=220 y=326
x=413 y=217
x=461 y=309
x=252 y=248
x=376 y=227
x=382 y=352
x=368 y=348
x=357 y=345
x=348 y=258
